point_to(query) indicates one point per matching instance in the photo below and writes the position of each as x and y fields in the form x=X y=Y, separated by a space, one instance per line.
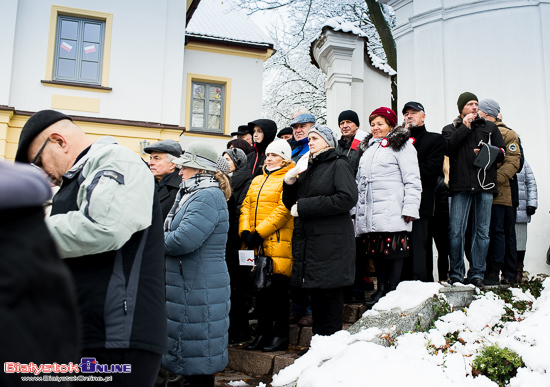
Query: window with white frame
x=207 y=107
x=79 y=50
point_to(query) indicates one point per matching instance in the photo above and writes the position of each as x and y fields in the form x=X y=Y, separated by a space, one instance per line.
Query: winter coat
x=299 y=148
x=240 y=181
x=460 y=142
x=527 y=193
x=256 y=159
x=197 y=285
x=344 y=147
x=389 y=184
x=430 y=150
x=323 y=242
x=106 y=220
x=167 y=191
x=508 y=168
x=264 y=212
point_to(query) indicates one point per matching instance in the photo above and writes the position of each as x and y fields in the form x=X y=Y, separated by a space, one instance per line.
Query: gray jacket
x=527 y=189
x=389 y=185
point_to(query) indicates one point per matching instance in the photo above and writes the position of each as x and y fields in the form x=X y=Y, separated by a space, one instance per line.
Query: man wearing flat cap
x=471 y=187
x=430 y=150
x=167 y=180
x=503 y=213
x=243 y=134
x=107 y=225
x=300 y=125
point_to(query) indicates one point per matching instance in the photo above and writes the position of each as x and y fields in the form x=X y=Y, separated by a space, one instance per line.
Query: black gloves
x=531 y=210
x=251 y=240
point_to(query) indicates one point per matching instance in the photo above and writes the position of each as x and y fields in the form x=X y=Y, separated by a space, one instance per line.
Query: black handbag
x=260 y=274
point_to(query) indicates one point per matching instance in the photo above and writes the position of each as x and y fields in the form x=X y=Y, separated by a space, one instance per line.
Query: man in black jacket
x=167 y=179
x=348 y=121
x=470 y=186
x=430 y=149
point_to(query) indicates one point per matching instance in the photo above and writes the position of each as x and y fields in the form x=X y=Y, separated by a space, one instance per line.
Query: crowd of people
x=153 y=272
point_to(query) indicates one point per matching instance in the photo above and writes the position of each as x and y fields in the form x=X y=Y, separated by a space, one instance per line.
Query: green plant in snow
x=498 y=364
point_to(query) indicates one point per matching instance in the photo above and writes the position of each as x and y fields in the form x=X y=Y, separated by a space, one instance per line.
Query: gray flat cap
x=165 y=146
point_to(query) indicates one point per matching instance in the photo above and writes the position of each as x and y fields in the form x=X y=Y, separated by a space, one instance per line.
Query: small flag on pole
x=66 y=46
x=359 y=136
x=89 y=49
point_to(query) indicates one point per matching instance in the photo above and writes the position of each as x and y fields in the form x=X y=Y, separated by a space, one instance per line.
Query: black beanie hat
x=464 y=98
x=33 y=127
x=348 y=115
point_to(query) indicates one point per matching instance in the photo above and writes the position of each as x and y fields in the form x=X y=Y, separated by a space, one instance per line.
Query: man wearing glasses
x=107 y=225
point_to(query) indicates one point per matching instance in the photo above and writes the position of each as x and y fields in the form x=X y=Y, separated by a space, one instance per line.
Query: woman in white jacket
x=389 y=186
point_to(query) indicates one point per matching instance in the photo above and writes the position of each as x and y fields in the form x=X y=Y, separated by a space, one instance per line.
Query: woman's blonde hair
x=446 y=169
x=286 y=163
x=224 y=183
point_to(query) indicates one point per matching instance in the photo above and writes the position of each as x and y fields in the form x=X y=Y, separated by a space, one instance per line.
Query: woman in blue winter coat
x=388 y=180
x=197 y=281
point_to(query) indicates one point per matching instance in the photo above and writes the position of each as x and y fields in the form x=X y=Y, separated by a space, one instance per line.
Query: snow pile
x=440 y=357
x=407 y=295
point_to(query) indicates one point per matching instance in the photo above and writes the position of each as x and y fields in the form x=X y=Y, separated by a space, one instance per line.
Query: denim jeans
x=461 y=202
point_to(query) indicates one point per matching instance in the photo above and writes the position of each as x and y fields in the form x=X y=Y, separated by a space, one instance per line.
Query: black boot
x=521 y=258
x=381 y=292
x=258 y=343
x=492 y=273
x=392 y=287
x=277 y=344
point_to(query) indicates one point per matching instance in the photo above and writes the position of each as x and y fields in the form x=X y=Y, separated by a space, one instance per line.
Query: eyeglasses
x=33 y=162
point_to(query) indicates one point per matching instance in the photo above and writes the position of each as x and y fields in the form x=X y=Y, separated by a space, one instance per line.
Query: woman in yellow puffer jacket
x=266 y=221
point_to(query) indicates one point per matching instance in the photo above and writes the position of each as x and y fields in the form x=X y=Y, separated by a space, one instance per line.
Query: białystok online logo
x=87 y=365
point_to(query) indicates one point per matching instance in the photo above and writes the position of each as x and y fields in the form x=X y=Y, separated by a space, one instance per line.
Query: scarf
x=188 y=188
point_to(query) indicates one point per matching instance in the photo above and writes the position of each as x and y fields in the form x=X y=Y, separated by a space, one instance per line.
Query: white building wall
x=496 y=49
x=8 y=10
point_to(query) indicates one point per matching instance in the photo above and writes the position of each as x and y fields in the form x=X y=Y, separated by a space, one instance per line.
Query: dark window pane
x=66 y=68
x=67 y=49
x=69 y=29
x=90 y=52
x=88 y=71
x=92 y=32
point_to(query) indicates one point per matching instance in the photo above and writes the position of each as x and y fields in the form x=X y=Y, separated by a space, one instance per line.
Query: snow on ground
x=425 y=358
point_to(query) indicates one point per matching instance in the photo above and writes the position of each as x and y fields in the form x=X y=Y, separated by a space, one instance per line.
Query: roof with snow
x=339 y=24
x=220 y=21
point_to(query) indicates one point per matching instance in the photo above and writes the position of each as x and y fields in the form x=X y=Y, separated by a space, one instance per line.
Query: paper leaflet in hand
x=302 y=163
x=359 y=136
x=246 y=257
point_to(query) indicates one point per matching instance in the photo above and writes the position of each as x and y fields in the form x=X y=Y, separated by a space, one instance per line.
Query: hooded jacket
x=508 y=168
x=527 y=193
x=256 y=159
x=460 y=142
x=263 y=211
x=389 y=184
x=323 y=242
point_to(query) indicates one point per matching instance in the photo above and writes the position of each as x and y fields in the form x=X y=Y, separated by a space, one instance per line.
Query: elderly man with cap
x=430 y=150
x=285 y=133
x=503 y=213
x=107 y=225
x=242 y=133
x=348 y=121
x=167 y=181
x=300 y=127
x=470 y=186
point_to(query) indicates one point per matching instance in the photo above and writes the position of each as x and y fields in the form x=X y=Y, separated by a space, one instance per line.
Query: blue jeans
x=461 y=202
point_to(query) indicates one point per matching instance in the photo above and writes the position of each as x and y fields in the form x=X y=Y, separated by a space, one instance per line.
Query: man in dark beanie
x=430 y=150
x=348 y=121
x=470 y=186
x=107 y=226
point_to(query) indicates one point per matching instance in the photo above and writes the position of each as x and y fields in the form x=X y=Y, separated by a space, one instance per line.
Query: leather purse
x=260 y=274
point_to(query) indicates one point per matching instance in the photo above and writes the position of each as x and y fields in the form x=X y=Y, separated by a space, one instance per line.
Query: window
x=207 y=107
x=78 y=50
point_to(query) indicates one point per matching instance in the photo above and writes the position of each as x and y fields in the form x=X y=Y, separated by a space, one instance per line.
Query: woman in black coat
x=323 y=243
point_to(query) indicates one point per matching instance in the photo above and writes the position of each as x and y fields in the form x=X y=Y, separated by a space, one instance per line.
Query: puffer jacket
x=509 y=166
x=197 y=285
x=323 y=243
x=389 y=184
x=263 y=211
x=527 y=193
x=460 y=142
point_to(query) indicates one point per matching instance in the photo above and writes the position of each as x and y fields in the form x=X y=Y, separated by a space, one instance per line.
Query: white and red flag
x=359 y=136
x=66 y=46
x=89 y=49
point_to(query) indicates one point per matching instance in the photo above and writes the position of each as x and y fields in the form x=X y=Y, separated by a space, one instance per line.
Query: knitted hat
x=33 y=127
x=349 y=115
x=489 y=107
x=237 y=156
x=464 y=98
x=326 y=133
x=281 y=148
x=222 y=165
x=385 y=112
x=165 y=146
x=200 y=155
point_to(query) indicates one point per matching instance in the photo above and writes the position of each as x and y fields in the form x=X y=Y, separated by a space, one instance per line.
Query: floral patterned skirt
x=387 y=245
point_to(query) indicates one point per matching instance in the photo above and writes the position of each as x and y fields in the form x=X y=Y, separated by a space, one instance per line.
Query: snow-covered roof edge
x=338 y=24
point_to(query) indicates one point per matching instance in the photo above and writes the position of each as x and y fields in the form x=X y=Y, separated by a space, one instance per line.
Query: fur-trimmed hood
x=397 y=138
